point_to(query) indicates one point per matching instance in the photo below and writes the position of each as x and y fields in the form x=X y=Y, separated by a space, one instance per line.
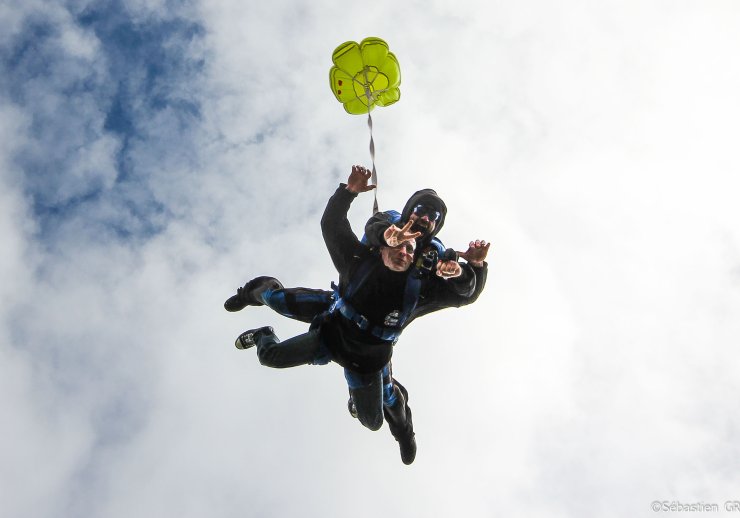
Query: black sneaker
x=248 y=339
x=249 y=294
x=408 y=448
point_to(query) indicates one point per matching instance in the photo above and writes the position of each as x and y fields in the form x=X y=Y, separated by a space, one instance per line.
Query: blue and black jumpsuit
x=336 y=336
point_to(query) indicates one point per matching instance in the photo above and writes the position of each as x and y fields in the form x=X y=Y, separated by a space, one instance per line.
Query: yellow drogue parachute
x=364 y=75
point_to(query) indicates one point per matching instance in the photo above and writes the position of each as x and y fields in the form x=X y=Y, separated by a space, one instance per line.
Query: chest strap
x=388 y=334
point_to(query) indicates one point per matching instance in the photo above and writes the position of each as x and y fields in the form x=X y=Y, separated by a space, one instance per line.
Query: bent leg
x=300 y=350
x=389 y=397
x=302 y=304
x=366 y=391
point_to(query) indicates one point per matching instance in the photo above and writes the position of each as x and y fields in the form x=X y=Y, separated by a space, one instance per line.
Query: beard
x=420 y=226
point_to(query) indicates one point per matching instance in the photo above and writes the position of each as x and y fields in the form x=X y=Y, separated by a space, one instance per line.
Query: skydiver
x=377 y=295
x=426 y=212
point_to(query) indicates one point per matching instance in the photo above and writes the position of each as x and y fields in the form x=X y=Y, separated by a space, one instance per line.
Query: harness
x=344 y=308
x=424 y=265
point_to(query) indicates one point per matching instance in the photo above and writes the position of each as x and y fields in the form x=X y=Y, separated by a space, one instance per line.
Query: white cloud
x=592 y=144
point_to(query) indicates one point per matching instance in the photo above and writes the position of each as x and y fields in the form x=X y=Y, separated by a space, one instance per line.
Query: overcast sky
x=155 y=155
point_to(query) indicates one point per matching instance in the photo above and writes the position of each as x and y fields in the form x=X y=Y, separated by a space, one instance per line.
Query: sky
x=155 y=155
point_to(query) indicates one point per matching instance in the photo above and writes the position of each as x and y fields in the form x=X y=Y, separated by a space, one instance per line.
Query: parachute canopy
x=365 y=75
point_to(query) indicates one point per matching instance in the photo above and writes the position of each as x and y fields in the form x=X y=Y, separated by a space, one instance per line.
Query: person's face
x=424 y=219
x=398 y=258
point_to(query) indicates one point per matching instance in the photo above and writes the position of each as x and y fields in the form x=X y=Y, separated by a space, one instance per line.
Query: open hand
x=358 y=180
x=394 y=236
x=476 y=252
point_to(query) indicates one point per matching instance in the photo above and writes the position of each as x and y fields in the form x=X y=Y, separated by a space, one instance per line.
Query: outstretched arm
x=341 y=242
x=475 y=255
x=453 y=292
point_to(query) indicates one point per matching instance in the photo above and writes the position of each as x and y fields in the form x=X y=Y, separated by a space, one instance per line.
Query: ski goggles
x=425 y=210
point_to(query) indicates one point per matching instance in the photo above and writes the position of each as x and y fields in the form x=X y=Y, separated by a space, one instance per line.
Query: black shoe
x=248 y=338
x=249 y=294
x=408 y=448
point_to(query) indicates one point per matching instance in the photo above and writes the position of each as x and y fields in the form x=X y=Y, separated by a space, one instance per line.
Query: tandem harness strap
x=410 y=299
x=388 y=334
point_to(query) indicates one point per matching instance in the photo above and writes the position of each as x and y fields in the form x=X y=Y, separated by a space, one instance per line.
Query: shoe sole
x=240 y=345
x=236 y=303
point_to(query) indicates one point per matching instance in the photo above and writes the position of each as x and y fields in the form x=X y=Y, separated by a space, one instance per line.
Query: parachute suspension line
x=374 y=176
